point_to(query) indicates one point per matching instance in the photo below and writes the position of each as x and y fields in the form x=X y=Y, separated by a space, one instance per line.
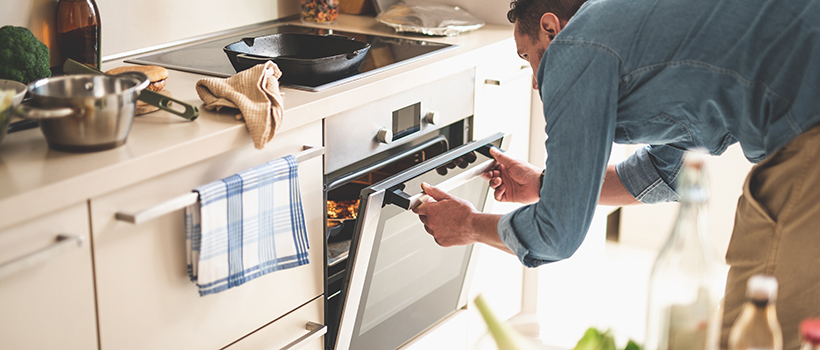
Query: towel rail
x=190 y=198
x=62 y=243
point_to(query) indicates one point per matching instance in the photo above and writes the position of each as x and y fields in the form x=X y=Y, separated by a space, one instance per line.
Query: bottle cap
x=695 y=157
x=810 y=330
x=693 y=184
x=760 y=287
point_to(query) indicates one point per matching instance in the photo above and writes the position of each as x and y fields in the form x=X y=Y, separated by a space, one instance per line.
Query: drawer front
x=146 y=299
x=47 y=286
x=297 y=330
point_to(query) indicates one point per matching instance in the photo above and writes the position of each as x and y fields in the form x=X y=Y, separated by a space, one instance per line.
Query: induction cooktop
x=209 y=59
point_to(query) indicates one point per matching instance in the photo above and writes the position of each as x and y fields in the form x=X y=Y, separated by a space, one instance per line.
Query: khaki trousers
x=777 y=232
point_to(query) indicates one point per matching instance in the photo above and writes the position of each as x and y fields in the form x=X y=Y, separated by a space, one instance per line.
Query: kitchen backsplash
x=129 y=25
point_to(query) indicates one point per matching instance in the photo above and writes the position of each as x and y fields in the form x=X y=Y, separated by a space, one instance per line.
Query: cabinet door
x=146 y=299
x=503 y=99
x=296 y=330
x=46 y=283
x=503 y=96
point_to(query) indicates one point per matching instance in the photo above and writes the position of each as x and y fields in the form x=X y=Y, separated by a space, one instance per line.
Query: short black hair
x=528 y=12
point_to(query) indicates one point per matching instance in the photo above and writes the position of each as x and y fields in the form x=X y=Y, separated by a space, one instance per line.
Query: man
x=674 y=74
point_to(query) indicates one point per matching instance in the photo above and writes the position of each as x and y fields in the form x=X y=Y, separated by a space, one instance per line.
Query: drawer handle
x=61 y=244
x=315 y=331
x=523 y=71
x=176 y=203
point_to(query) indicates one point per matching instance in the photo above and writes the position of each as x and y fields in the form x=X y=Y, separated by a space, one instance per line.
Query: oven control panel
x=406 y=120
x=380 y=125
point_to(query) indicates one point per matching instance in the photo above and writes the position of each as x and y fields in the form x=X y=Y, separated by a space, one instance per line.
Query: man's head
x=537 y=22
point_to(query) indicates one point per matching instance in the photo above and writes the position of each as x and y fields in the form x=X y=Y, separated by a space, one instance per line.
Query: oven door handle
x=446 y=186
x=191 y=198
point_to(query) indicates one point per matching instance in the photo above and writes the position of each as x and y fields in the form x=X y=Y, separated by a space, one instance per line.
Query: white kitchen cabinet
x=46 y=283
x=503 y=94
x=503 y=99
x=296 y=330
x=145 y=297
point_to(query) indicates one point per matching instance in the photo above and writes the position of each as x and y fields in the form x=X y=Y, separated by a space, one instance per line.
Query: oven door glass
x=400 y=282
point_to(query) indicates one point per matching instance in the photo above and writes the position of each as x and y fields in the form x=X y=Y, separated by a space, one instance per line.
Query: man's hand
x=513 y=180
x=448 y=219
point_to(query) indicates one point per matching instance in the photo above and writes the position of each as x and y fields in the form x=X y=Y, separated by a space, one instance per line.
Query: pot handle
x=155 y=99
x=161 y=101
x=29 y=112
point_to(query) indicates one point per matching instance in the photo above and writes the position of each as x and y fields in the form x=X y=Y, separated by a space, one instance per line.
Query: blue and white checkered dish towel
x=245 y=226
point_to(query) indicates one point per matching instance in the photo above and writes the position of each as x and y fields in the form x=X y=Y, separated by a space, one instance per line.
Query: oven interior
x=342 y=198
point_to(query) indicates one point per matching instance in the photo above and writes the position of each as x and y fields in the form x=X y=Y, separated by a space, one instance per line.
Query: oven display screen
x=406 y=120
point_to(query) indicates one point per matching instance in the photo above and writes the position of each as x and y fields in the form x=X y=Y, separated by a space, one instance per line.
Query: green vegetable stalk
x=23 y=57
x=508 y=338
x=505 y=336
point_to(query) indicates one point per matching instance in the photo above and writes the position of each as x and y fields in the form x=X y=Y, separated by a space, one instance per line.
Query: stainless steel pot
x=85 y=113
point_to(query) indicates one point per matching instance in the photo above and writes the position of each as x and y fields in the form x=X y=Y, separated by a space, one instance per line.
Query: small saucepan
x=84 y=113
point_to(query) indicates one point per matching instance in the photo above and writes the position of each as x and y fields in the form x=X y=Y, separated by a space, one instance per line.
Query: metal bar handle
x=190 y=198
x=452 y=183
x=61 y=244
x=521 y=72
x=315 y=331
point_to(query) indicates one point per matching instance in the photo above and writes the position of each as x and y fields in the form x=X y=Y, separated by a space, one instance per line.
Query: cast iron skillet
x=305 y=59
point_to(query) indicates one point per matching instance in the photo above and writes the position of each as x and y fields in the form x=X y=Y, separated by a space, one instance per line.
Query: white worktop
x=35 y=180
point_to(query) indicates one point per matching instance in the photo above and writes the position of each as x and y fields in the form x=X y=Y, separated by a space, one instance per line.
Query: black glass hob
x=209 y=59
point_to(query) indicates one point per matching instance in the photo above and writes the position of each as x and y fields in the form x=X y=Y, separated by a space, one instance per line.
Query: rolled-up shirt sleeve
x=579 y=88
x=649 y=174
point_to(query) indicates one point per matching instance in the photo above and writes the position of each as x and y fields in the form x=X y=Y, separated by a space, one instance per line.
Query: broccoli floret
x=23 y=57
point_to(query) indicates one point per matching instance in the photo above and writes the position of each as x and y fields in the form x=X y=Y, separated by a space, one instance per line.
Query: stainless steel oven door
x=399 y=281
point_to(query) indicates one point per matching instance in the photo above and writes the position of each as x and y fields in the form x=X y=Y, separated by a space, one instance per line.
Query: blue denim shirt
x=673 y=74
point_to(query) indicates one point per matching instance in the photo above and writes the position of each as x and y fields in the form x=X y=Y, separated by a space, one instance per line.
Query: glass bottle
x=810 y=334
x=684 y=289
x=79 y=31
x=757 y=327
x=319 y=11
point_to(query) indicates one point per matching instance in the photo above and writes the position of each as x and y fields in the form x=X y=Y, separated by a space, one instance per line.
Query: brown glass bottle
x=78 y=31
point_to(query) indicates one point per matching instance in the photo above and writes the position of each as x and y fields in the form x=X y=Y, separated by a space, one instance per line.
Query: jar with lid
x=319 y=11
x=810 y=334
x=79 y=31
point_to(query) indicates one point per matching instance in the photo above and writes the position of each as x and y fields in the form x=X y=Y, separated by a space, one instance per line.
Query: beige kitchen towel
x=255 y=92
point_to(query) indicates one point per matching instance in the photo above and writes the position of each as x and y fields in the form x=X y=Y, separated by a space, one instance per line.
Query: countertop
x=35 y=180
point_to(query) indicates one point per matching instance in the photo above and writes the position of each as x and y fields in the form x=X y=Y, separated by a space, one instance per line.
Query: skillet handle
x=153 y=98
x=251 y=59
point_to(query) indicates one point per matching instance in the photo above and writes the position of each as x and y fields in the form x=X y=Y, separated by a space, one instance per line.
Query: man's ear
x=550 y=25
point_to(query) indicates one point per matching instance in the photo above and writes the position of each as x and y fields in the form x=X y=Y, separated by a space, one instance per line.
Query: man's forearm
x=613 y=191
x=486 y=228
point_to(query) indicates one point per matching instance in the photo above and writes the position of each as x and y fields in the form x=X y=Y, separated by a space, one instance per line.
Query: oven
x=387 y=281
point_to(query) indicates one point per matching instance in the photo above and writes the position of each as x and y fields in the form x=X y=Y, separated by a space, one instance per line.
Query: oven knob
x=384 y=136
x=432 y=117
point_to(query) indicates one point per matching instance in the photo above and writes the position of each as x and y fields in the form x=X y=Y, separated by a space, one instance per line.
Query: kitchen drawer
x=146 y=299
x=296 y=330
x=46 y=285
